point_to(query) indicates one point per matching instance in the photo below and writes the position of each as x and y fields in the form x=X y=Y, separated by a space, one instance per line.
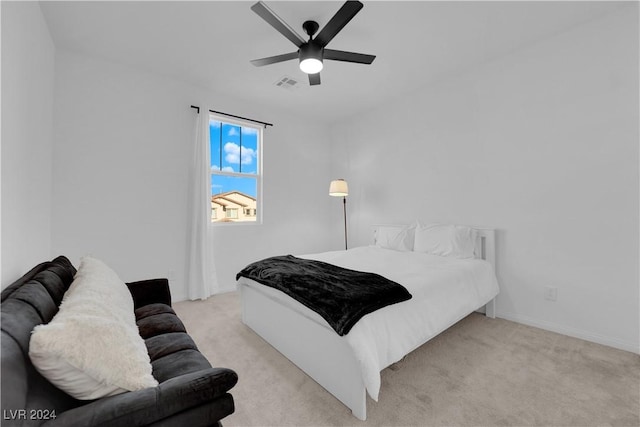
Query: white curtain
x=201 y=276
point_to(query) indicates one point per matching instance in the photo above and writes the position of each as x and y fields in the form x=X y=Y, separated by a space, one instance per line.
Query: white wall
x=542 y=145
x=122 y=146
x=27 y=101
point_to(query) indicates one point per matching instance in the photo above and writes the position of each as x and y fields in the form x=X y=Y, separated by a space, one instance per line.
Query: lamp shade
x=339 y=188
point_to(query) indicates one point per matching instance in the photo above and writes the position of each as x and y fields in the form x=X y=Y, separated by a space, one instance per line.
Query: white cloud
x=233 y=153
x=224 y=169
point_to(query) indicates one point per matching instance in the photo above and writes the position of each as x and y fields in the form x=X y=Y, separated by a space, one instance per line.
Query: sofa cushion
x=55 y=276
x=152 y=309
x=51 y=281
x=34 y=299
x=161 y=323
x=178 y=363
x=92 y=348
x=18 y=318
x=35 y=294
x=164 y=344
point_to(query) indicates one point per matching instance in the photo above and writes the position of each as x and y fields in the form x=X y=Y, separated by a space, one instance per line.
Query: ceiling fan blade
x=337 y=23
x=314 y=79
x=341 y=55
x=274 y=20
x=273 y=59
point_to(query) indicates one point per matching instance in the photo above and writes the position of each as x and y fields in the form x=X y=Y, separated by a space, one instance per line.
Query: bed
x=444 y=290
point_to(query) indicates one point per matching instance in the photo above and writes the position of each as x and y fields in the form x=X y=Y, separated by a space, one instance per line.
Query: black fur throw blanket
x=341 y=296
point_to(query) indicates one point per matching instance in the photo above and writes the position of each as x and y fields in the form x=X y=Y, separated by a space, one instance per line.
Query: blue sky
x=233 y=149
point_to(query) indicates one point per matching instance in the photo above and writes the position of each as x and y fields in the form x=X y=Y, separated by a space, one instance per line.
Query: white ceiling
x=210 y=43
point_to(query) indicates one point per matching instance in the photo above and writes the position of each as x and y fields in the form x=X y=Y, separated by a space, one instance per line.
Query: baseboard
x=572 y=332
x=224 y=290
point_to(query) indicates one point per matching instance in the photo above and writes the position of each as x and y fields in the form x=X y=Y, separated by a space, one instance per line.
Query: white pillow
x=96 y=281
x=455 y=241
x=92 y=348
x=396 y=237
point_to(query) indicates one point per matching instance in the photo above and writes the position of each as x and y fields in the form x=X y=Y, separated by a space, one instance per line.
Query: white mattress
x=444 y=290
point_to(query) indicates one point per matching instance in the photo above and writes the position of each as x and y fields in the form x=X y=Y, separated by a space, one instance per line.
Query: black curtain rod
x=265 y=124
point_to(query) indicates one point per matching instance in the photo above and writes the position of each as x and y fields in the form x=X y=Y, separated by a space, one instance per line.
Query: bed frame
x=317 y=349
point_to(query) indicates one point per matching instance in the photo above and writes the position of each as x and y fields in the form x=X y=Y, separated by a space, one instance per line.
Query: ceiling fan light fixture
x=310 y=58
x=311 y=65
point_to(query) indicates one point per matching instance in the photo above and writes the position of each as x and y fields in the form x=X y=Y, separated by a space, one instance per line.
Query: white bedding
x=444 y=290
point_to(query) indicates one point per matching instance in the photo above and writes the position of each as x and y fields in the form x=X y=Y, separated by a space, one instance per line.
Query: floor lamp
x=339 y=188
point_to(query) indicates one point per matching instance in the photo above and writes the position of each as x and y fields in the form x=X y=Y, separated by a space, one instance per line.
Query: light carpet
x=480 y=372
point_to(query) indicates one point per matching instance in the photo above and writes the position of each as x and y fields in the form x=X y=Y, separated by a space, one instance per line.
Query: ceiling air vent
x=288 y=83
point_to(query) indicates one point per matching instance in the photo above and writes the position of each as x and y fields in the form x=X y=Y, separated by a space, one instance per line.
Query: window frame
x=258 y=176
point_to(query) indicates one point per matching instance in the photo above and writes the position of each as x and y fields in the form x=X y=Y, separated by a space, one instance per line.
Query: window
x=235 y=170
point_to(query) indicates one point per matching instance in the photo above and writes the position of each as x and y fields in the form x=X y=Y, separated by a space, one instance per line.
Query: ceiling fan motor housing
x=311 y=50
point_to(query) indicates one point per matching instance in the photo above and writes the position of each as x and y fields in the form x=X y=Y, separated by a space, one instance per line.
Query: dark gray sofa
x=190 y=392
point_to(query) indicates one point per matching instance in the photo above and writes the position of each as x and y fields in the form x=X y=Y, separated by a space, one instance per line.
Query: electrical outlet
x=550 y=293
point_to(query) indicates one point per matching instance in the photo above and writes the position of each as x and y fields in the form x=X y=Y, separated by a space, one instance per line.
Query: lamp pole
x=344 y=205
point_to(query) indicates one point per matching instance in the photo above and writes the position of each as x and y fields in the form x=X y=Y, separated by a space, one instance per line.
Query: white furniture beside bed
x=445 y=289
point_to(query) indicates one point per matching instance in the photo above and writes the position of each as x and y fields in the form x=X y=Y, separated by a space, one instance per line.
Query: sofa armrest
x=149 y=292
x=143 y=407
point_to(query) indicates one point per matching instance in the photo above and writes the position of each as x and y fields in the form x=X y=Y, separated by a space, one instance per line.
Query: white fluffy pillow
x=455 y=241
x=92 y=348
x=396 y=237
x=98 y=283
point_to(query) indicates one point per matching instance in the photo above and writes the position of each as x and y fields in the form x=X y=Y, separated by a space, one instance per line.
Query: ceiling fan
x=312 y=52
